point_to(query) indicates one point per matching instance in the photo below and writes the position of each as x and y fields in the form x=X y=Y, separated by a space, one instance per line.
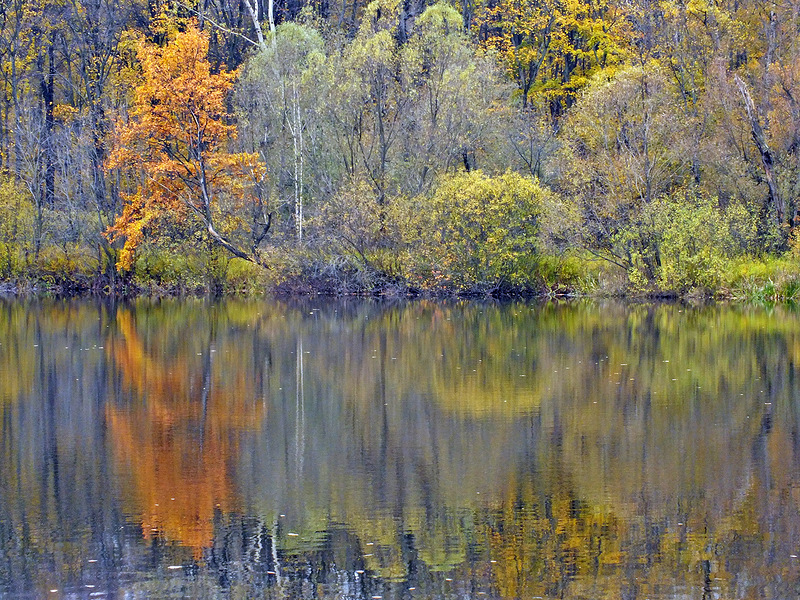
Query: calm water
x=357 y=450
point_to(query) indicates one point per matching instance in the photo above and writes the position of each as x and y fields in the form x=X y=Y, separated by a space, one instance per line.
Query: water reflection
x=177 y=432
x=352 y=450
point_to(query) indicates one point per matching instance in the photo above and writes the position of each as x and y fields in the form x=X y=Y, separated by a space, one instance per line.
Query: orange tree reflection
x=177 y=438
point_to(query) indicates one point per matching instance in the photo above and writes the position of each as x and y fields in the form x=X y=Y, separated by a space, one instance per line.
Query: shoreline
x=26 y=290
x=754 y=280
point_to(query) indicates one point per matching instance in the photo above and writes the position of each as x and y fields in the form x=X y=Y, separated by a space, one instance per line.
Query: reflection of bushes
x=563 y=483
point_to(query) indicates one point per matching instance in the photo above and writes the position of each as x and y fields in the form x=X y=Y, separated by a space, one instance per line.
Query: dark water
x=320 y=450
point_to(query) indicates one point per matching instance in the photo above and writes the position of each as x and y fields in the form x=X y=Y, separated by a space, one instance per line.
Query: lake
x=365 y=450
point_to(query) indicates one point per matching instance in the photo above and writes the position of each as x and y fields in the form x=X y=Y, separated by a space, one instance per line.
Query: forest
x=484 y=147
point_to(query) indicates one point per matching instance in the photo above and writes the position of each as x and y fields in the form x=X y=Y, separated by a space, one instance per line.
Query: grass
x=763 y=280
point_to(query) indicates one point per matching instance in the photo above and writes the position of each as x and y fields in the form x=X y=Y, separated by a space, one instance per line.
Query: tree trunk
x=252 y=8
x=48 y=93
x=760 y=139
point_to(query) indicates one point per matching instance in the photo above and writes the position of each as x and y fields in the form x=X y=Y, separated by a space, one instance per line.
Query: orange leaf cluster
x=176 y=137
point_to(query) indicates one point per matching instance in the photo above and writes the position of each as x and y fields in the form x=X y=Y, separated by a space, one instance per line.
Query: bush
x=243 y=276
x=681 y=242
x=16 y=229
x=11 y=261
x=317 y=272
x=476 y=230
x=766 y=279
x=168 y=272
x=567 y=274
x=352 y=224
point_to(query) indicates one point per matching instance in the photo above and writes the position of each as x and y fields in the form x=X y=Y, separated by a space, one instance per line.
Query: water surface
x=171 y=449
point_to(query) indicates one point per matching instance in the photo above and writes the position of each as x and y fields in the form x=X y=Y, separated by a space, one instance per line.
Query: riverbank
x=770 y=279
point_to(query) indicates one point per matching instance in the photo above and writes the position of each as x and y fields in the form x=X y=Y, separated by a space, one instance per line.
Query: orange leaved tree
x=175 y=146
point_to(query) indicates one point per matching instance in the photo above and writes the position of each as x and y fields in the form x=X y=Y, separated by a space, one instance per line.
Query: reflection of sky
x=568 y=444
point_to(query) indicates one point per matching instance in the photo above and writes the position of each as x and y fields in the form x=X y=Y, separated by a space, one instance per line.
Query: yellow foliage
x=16 y=212
x=16 y=226
x=549 y=48
x=479 y=229
x=177 y=136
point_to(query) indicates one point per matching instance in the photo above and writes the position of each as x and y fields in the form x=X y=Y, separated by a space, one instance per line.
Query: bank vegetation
x=489 y=147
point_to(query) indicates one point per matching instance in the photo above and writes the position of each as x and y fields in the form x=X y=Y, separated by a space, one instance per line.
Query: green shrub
x=692 y=239
x=764 y=279
x=69 y=260
x=11 y=261
x=16 y=228
x=171 y=272
x=789 y=290
x=682 y=242
x=478 y=230
x=243 y=276
x=566 y=274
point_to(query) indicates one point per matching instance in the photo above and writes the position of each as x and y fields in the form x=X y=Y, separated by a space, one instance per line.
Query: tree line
x=484 y=145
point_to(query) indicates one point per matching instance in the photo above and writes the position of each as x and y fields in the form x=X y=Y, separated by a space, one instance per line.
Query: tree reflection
x=350 y=450
x=175 y=441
